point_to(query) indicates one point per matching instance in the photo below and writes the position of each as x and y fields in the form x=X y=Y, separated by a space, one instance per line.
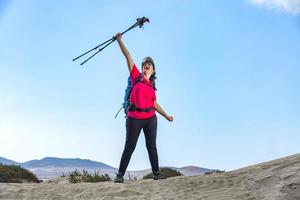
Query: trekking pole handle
x=142 y=20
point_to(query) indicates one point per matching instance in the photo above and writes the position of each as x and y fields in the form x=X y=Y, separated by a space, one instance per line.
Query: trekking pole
x=140 y=22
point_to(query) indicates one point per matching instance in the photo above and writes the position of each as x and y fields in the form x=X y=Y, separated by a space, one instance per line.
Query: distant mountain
x=64 y=162
x=51 y=167
x=186 y=171
x=7 y=161
x=193 y=170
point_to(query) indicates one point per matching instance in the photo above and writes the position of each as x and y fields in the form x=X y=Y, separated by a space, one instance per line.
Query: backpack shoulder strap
x=140 y=77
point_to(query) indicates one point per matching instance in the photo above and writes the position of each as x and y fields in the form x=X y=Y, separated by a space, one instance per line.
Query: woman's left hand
x=169 y=118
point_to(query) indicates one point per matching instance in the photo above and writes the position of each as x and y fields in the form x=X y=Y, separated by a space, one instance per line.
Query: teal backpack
x=126 y=105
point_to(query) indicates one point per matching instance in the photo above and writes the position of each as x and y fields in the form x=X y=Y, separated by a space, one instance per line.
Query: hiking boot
x=157 y=176
x=119 y=178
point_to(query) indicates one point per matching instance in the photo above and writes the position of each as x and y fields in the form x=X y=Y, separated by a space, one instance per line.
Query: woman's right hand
x=118 y=36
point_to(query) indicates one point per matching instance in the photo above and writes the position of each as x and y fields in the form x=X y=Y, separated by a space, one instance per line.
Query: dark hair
x=152 y=79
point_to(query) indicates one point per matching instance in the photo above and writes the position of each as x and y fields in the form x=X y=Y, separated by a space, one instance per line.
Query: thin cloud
x=290 y=6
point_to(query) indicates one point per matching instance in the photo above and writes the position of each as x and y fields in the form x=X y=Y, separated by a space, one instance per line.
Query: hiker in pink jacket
x=141 y=113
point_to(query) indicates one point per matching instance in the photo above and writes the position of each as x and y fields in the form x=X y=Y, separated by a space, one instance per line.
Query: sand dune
x=277 y=179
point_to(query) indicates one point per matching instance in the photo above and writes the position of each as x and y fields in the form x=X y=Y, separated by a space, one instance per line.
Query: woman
x=141 y=114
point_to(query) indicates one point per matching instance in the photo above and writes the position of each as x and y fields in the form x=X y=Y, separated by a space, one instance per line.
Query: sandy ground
x=277 y=179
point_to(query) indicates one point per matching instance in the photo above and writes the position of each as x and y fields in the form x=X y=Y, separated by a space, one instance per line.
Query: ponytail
x=152 y=79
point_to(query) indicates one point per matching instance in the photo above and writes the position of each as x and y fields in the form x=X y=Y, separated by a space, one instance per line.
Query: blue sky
x=228 y=72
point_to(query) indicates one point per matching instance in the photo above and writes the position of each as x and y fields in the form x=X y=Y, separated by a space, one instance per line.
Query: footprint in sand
x=230 y=183
x=244 y=196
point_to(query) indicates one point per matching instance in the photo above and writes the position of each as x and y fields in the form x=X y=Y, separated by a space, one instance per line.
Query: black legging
x=133 y=129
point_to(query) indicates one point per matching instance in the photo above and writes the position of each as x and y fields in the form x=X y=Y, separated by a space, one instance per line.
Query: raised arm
x=125 y=52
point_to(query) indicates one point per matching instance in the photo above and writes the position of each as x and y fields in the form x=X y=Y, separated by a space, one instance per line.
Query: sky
x=227 y=71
